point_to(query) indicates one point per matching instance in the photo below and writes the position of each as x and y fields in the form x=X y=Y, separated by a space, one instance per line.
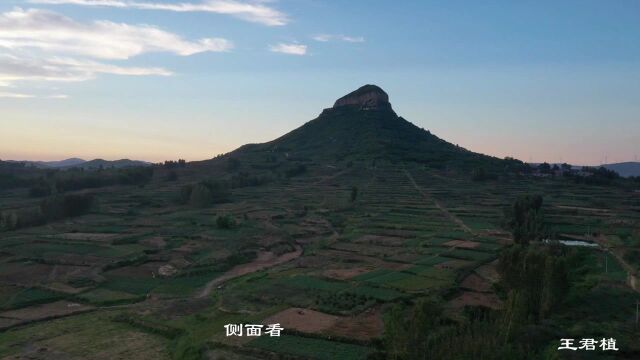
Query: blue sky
x=152 y=79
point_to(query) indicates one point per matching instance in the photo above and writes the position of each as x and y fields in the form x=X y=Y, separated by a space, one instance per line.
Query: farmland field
x=408 y=235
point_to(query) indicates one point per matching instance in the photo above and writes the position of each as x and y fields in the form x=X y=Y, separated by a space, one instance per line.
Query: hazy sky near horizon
x=555 y=81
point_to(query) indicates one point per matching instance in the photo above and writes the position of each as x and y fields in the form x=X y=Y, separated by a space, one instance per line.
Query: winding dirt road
x=265 y=260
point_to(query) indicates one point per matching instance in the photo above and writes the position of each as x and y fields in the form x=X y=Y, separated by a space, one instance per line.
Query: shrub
x=200 y=196
x=206 y=193
x=244 y=179
x=526 y=219
x=481 y=174
x=40 y=189
x=185 y=193
x=233 y=164
x=135 y=176
x=172 y=176
x=225 y=222
x=20 y=218
x=61 y=206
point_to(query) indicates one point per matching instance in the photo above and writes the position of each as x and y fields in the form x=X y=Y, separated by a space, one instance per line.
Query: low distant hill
x=80 y=163
x=51 y=164
x=106 y=164
x=625 y=169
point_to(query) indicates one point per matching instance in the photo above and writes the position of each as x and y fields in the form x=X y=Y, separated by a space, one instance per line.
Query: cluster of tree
x=422 y=331
x=546 y=168
x=535 y=281
x=41 y=188
x=486 y=171
x=21 y=218
x=596 y=176
x=206 y=193
x=587 y=175
x=171 y=164
x=516 y=166
x=52 y=208
x=68 y=205
x=244 y=179
x=78 y=179
x=525 y=219
x=17 y=174
x=343 y=302
x=354 y=193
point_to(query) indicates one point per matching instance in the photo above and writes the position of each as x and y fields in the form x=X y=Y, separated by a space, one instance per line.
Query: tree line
x=534 y=283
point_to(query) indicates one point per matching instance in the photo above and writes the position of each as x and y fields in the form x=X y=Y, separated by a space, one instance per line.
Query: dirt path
x=331 y=177
x=53 y=273
x=444 y=210
x=264 y=260
x=632 y=280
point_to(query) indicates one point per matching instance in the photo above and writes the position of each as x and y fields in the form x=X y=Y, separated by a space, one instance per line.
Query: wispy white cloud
x=58 y=97
x=15 y=69
x=322 y=37
x=52 y=32
x=15 y=95
x=345 y=38
x=291 y=49
x=44 y=46
x=255 y=11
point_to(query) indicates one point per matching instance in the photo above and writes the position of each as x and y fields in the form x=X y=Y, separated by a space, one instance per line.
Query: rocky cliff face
x=367 y=97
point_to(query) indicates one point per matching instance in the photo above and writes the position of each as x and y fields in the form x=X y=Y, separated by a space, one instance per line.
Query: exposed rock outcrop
x=367 y=97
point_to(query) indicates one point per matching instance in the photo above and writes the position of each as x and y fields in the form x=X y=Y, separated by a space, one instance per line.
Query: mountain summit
x=362 y=126
x=365 y=98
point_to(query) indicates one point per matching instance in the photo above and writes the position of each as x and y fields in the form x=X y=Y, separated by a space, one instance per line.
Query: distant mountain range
x=80 y=163
x=625 y=169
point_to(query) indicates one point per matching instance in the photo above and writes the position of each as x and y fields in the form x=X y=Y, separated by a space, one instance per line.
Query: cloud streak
x=256 y=12
x=51 y=32
x=290 y=49
x=15 y=95
x=15 y=69
x=44 y=46
x=344 y=38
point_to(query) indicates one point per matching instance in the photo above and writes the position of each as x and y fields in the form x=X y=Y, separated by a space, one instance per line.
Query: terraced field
x=137 y=265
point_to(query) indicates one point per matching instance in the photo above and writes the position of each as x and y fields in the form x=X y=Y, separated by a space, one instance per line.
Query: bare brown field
x=45 y=311
x=476 y=283
x=305 y=320
x=365 y=326
x=471 y=298
x=346 y=273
